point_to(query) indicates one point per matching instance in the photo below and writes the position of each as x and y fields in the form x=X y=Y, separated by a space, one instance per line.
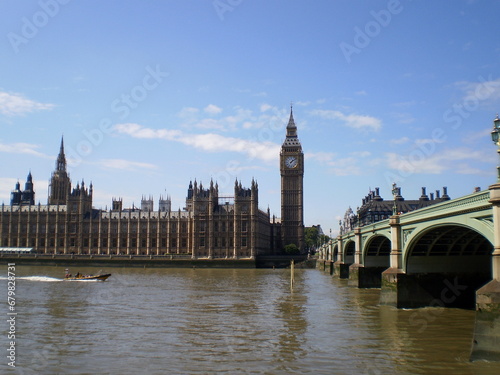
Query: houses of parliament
x=210 y=226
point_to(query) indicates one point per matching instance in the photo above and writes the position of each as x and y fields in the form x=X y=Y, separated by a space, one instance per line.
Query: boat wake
x=35 y=278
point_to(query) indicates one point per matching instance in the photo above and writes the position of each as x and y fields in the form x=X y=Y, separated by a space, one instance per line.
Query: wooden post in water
x=292 y=273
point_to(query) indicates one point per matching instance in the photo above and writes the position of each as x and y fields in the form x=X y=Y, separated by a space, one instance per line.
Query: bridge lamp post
x=495 y=136
x=394 y=194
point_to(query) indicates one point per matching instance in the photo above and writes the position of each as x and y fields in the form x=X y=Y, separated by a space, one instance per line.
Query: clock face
x=291 y=162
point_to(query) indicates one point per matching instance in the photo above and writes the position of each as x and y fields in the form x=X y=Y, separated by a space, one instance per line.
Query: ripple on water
x=185 y=321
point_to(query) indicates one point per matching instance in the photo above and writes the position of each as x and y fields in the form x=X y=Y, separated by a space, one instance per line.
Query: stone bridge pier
x=366 y=268
x=486 y=344
x=446 y=255
x=443 y=267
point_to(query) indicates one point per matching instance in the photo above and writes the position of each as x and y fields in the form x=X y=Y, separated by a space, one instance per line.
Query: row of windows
x=72 y=242
x=125 y=227
x=214 y=254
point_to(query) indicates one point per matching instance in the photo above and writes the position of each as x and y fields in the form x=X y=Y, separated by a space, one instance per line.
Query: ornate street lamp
x=395 y=192
x=495 y=136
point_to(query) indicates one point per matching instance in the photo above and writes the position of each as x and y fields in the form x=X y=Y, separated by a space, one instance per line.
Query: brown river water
x=218 y=321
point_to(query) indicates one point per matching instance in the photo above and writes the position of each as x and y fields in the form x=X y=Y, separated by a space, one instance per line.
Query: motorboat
x=82 y=277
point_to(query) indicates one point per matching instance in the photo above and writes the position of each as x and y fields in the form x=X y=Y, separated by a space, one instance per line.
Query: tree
x=311 y=235
x=291 y=249
x=313 y=239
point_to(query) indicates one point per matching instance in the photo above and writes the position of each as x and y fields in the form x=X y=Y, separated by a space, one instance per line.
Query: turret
x=28 y=195
x=15 y=199
x=164 y=204
x=116 y=204
x=80 y=199
x=190 y=190
x=147 y=204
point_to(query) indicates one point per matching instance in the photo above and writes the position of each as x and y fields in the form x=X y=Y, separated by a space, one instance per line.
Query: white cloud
x=323 y=157
x=192 y=118
x=399 y=141
x=138 y=131
x=424 y=142
x=241 y=116
x=209 y=142
x=361 y=154
x=212 y=109
x=464 y=168
x=345 y=167
x=404 y=164
x=353 y=120
x=23 y=148
x=125 y=164
x=301 y=104
x=266 y=107
x=216 y=143
x=417 y=161
x=208 y=123
x=403 y=118
x=12 y=104
x=484 y=92
x=188 y=113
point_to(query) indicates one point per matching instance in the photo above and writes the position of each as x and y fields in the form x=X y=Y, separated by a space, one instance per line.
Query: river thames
x=220 y=321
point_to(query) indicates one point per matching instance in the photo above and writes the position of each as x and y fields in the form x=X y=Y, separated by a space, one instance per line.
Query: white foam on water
x=38 y=278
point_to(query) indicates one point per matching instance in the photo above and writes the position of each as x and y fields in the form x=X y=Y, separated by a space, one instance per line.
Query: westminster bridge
x=445 y=255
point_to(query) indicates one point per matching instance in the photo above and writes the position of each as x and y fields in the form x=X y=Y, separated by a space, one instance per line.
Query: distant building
x=210 y=226
x=374 y=208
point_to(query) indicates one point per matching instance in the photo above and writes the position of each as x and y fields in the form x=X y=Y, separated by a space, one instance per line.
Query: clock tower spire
x=292 y=197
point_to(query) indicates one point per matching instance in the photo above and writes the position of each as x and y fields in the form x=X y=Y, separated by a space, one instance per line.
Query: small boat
x=81 y=277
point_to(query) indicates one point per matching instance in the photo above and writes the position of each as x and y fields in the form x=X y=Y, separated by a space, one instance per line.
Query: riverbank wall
x=145 y=261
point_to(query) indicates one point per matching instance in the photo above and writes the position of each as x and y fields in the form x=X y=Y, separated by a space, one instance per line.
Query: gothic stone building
x=210 y=226
x=374 y=208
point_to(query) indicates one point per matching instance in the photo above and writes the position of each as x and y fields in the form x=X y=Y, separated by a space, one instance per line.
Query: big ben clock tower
x=292 y=197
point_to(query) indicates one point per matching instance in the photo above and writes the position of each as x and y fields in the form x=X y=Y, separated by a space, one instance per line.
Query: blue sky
x=152 y=94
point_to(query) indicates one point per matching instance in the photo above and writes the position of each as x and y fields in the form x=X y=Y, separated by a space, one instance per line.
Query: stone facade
x=210 y=226
x=374 y=208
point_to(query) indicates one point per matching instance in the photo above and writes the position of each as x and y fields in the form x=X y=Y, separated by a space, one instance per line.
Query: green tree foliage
x=313 y=239
x=291 y=249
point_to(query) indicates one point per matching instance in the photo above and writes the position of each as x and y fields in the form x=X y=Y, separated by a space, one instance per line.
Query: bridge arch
x=448 y=248
x=335 y=252
x=349 y=249
x=376 y=252
x=445 y=265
